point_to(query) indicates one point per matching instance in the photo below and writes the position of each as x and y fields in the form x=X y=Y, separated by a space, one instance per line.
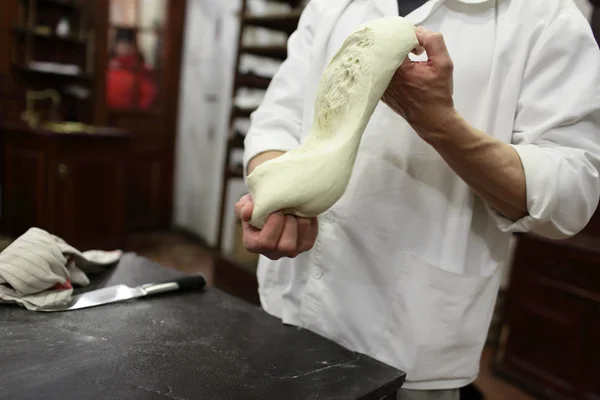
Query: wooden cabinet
x=128 y=57
x=595 y=20
x=49 y=44
x=590 y=384
x=72 y=185
x=552 y=318
x=24 y=182
x=150 y=170
x=139 y=48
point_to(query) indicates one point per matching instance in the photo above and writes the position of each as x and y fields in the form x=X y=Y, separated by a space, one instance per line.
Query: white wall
x=205 y=97
x=210 y=48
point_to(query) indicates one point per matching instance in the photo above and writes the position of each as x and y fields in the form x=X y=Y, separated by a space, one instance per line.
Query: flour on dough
x=308 y=180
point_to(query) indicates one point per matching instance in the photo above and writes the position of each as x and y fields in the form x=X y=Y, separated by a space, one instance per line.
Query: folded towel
x=38 y=269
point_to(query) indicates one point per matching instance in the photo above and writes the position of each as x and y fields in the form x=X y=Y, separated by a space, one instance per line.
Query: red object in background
x=126 y=74
x=64 y=286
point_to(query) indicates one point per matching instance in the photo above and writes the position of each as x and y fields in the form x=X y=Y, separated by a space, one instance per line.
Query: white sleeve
x=557 y=130
x=277 y=123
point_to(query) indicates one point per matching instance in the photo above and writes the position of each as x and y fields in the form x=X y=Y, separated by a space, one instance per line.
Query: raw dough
x=308 y=180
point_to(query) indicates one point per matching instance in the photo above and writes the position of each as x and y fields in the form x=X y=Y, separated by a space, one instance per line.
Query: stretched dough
x=308 y=180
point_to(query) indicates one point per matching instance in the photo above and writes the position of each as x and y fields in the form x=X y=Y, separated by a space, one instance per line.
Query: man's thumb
x=247 y=210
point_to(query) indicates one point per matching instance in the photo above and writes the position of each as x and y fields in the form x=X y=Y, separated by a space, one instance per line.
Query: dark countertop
x=204 y=345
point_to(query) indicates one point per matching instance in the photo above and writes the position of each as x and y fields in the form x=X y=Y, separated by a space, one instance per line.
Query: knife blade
x=113 y=294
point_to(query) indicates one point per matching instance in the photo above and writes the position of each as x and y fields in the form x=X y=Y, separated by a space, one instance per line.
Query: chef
x=493 y=129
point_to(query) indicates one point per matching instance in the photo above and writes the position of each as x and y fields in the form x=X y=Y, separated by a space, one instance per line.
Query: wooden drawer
x=72 y=185
x=591 y=368
x=543 y=347
x=572 y=269
x=550 y=344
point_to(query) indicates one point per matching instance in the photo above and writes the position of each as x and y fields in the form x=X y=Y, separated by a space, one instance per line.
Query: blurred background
x=122 y=125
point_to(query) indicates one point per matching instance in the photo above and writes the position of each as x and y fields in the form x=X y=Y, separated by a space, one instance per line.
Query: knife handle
x=192 y=282
x=184 y=284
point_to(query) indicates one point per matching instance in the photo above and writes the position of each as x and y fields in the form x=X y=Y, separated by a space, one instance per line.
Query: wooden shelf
x=27 y=70
x=235 y=172
x=276 y=52
x=137 y=29
x=282 y=22
x=252 y=81
x=285 y=22
x=62 y=3
x=292 y=3
x=42 y=59
x=23 y=31
x=242 y=112
x=237 y=141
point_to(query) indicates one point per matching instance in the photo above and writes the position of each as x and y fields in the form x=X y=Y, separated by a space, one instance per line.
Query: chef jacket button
x=317 y=272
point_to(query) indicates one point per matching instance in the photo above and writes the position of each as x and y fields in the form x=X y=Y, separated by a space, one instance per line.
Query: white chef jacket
x=407 y=264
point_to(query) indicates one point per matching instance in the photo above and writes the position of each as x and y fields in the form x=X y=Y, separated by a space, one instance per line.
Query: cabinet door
x=25 y=198
x=591 y=364
x=90 y=194
x=148 y=171
x=141 y=59
x=544 y=345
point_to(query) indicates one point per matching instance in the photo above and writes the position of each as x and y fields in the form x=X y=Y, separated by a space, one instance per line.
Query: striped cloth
x=39 y=269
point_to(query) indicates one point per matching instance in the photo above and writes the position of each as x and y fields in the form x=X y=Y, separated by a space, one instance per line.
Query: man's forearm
x=493 y=169
x=261 y=158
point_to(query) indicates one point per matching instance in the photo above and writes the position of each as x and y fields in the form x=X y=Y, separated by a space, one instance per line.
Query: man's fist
x=281 y=236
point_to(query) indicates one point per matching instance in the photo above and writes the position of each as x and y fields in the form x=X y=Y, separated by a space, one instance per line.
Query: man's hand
x=421 y=92
x=281 y=236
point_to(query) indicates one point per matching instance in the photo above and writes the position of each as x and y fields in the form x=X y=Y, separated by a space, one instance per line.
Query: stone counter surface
x=202 y=345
